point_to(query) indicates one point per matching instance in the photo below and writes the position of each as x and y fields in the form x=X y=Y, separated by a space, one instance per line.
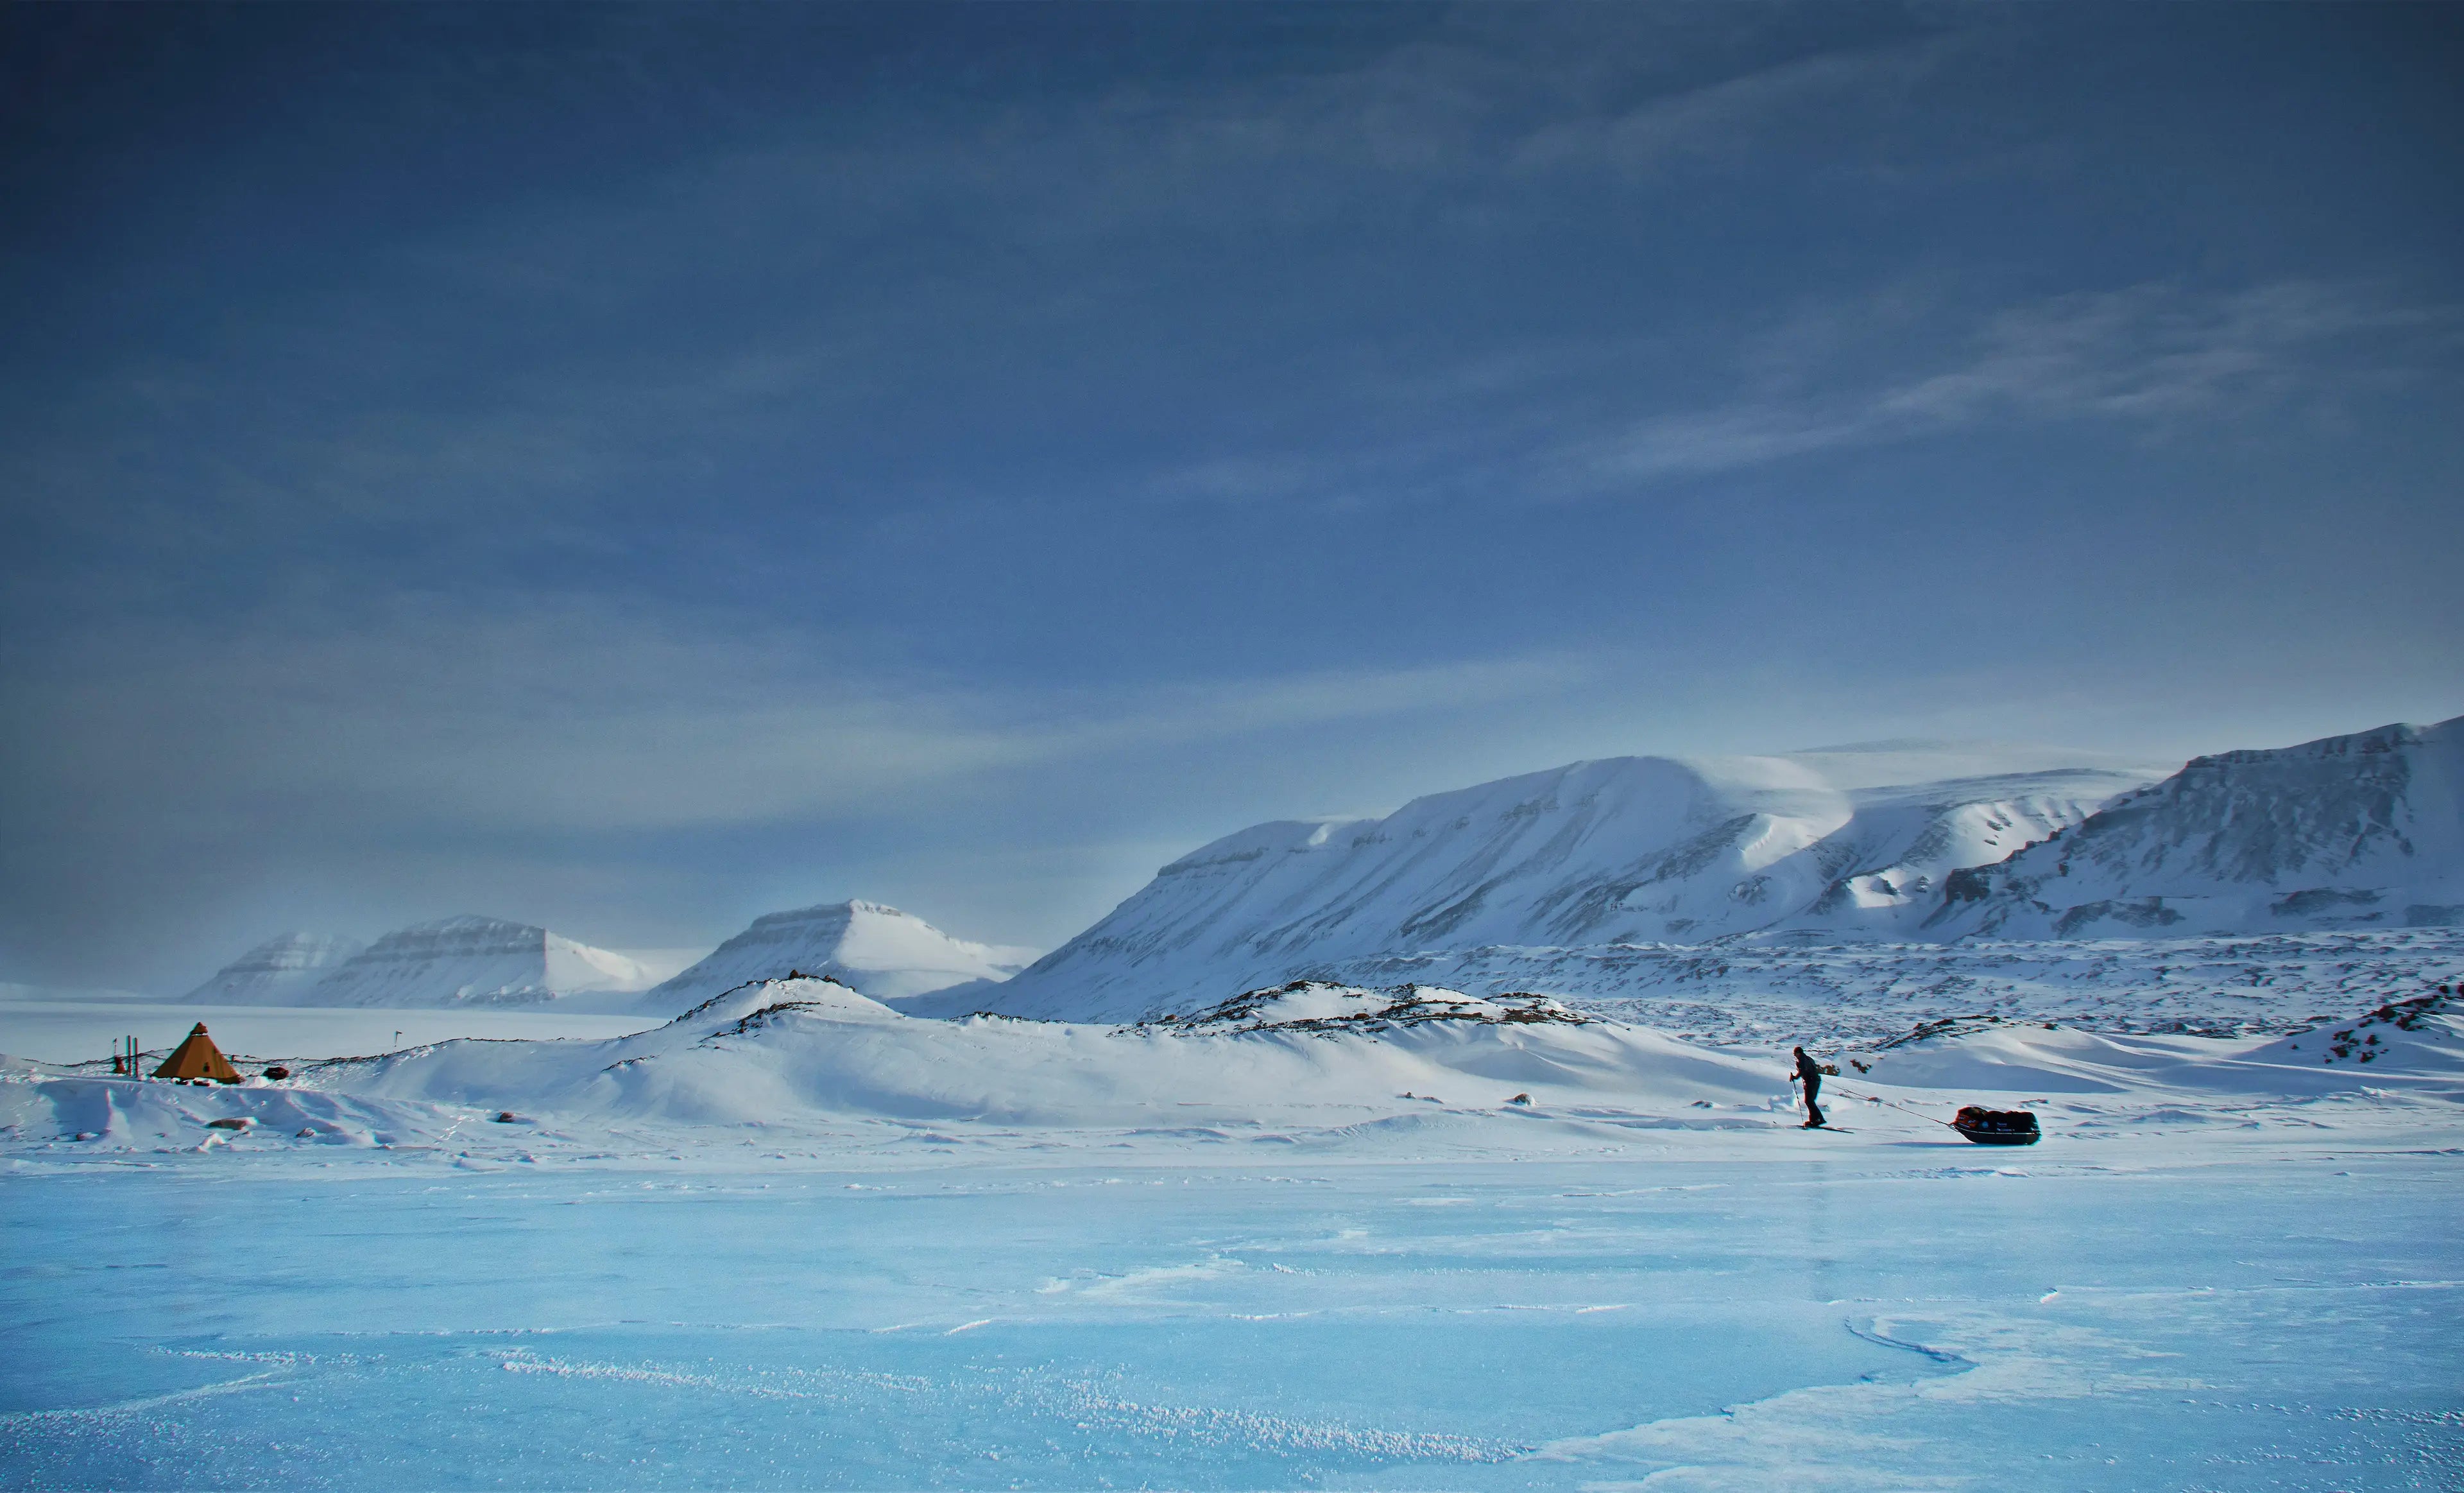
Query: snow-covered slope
x=2361 y=831
x=1768 y=991
x=1270 y=1065
x=277 y=972
x=877 y=951
x=781 y=1049
x=473 y=961
x=2419 y=1039
x=1843 y=844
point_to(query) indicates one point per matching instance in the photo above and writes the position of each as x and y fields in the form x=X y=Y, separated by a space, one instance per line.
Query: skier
x=1811 y=1072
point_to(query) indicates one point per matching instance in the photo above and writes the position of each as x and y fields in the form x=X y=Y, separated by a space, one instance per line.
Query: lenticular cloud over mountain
x=871 y=948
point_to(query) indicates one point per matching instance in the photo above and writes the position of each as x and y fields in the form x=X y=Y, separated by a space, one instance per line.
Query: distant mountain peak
x=872 y=948
x=463 y=960
x=273 y=972
x=2364 y=830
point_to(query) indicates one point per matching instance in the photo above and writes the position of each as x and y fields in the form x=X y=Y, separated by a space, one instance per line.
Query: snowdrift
x=1305 y=1062
x=786 y=1048
x=39 y=1101
x=2416 y=1044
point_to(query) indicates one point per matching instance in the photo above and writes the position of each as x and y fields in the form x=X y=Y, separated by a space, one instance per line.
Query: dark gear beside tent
x=198 y=1058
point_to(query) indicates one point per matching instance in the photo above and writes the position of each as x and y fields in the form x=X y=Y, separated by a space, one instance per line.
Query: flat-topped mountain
x=473 y=961
x=277 y=972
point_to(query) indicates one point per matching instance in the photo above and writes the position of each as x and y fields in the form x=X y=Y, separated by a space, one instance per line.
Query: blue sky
x=631 y=468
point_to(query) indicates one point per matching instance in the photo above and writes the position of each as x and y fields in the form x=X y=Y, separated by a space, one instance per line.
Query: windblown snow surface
x=1309 y=1235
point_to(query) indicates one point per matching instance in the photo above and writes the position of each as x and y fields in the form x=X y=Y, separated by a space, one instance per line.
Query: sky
x=633 y=468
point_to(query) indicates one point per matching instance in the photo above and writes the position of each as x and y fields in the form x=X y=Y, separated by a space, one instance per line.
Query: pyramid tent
x=198 y=1058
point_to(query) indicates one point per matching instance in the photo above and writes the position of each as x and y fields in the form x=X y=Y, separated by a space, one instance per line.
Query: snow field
x=81 y=1032
x=797 y=1240
x=1682 y=1313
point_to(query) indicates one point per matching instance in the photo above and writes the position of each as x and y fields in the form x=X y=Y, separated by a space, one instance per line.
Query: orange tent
x=198 y=1058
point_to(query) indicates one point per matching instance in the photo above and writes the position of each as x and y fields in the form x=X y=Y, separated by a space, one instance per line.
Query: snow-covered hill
x=1843 y=844
x=2361 y=831
x=1270 y=1067
x=877 y=950
x=277 y=972
x=475 y=961
x=781 y=1049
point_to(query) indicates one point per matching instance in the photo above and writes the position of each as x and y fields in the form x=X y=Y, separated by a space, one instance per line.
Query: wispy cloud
x=2146 y=354
x=1888 y=367
x=1729 y=117
x=580 y=717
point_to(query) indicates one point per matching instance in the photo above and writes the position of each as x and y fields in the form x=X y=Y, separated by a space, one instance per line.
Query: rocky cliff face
x=2348 y=832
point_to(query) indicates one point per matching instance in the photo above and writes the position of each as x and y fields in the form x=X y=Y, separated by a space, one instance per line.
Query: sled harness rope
x=1901 y=1108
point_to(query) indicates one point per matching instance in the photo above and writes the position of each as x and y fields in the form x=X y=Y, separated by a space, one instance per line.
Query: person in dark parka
x=1811 y=1072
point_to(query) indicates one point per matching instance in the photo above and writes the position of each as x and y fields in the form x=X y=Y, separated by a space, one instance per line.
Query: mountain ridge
x=1605 y=850
x=2362 y=830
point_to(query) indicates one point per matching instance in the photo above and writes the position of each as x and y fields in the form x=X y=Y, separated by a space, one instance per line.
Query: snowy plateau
x=490 y=962
x=275 y=972
x=463 y=961
x=1453 y=1148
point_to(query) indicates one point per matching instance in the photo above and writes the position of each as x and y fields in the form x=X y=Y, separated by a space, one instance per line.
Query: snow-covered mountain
x=874 y=949
x=277 y=972
x=2348 y=832
x=473 y=961
x=1843 y=844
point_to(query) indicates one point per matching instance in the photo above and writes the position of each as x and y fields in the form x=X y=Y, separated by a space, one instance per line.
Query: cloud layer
x=629 y=469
